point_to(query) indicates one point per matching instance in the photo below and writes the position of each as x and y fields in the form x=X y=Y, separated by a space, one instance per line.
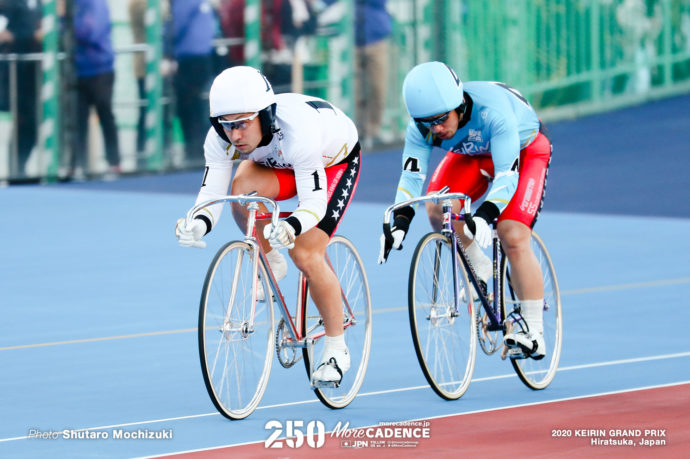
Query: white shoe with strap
x=335 y=361
x=531 y=344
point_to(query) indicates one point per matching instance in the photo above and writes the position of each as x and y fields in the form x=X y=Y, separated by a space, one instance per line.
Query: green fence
x=568 y=57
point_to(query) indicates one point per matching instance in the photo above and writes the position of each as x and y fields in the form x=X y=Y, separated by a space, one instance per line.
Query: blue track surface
x=98 y=304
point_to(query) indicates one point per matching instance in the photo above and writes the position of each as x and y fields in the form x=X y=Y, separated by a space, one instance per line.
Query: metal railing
x=567 y=57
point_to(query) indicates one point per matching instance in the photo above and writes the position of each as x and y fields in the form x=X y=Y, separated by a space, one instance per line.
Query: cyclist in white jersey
x=295 y=145
x=496 y=144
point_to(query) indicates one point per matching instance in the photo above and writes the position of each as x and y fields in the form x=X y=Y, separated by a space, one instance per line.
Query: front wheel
x=356 y=302
x=538 y=374
x=235 y=334
x=444 y=336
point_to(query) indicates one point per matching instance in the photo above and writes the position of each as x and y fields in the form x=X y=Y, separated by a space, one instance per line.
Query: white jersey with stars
x=312 y=134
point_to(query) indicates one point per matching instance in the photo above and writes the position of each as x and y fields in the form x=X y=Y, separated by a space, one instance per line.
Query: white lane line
x=607 y=288
x=104 y=338
x=424 y=386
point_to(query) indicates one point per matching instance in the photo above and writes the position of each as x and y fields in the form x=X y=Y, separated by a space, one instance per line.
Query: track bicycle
x=237 y=332
x=447 y=319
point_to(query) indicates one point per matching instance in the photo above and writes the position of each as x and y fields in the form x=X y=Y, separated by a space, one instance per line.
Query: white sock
x=532 y=312
x=278 y=264
x=480 y=261
x=274 y=256
x=335 y=342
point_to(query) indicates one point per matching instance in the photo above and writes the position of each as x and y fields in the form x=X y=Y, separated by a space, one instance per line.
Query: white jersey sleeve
x=217 y=174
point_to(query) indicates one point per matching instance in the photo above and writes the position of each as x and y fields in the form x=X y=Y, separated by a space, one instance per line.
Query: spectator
x=193 y=30
x=231 y=13
x=282 y=23
x=137 y=22
x=640 y=24
x=137 y=11
x=94 y=65
x=6 y=39
x=373 y=27
x=22 y=34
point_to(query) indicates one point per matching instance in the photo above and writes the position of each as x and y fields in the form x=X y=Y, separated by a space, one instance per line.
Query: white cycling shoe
x=334 y=364
x=531 y=344
x=278 y=265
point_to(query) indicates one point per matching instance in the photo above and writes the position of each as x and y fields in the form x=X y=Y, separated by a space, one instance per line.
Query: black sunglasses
x=433 y=122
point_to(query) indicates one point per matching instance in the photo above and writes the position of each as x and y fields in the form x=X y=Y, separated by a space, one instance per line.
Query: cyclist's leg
x=310 y=248
x=526 y=275
x=515 y=231
x=309 y=255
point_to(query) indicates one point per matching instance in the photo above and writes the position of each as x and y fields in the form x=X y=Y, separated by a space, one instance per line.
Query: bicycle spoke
x=444 y=338
x=538 y=374
x=349 y=270
x=235 y=334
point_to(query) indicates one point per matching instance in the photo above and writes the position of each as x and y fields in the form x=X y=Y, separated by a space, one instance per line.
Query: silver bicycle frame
x=251 y=201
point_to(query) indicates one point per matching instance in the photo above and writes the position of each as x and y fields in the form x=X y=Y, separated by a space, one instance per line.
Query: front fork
x=447 y=230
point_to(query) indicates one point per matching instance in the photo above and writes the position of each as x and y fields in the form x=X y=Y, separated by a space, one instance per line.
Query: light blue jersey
x=501 y=123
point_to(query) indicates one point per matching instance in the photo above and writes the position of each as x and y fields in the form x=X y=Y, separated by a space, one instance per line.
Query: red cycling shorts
x=342 y=182
x=463 y=174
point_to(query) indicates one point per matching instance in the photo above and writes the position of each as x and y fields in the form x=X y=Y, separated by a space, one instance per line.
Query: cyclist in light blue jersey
x=496 y=145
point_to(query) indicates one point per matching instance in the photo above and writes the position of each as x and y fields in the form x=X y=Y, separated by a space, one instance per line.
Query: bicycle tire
x=445 y=344
x=235 y=360
x=538 y=374
x=348 y=267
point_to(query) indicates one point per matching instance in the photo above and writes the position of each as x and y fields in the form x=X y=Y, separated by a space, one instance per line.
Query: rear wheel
x=349 y=269
x=444 y=338
x=538 y=374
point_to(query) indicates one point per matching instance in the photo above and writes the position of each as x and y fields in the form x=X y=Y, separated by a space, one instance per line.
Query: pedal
x=325 y=384
x=516 y=353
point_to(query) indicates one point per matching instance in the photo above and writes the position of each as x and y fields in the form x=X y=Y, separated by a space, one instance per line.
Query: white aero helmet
x=240 y=89
x=432 y=88
x=243 y=89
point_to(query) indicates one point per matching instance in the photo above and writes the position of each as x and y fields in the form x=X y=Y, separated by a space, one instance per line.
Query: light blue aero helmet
x=430 y=89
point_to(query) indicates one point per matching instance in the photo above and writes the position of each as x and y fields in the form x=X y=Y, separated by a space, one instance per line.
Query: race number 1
x=295 y=434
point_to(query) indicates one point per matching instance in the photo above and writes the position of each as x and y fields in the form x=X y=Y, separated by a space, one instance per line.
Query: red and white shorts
x=462 y=174
x=342 y=182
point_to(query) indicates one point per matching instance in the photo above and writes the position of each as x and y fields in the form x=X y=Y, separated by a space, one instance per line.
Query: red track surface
x=529 y=431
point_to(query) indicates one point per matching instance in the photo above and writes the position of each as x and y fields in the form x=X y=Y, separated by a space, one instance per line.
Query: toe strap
x=333 y=363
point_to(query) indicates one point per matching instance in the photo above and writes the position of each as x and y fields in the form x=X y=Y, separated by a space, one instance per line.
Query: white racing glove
x=482 y=232
x=280 y=236
x=190 y=236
